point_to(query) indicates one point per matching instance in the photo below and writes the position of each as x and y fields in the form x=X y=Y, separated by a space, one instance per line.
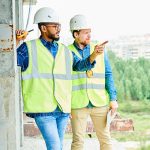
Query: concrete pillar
x=9 y=83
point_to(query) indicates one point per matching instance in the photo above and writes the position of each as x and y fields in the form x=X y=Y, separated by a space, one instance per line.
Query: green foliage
x=132 y=77
x=143 y=147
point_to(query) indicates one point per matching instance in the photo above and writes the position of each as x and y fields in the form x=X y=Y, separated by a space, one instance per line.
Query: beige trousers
x=79 y=122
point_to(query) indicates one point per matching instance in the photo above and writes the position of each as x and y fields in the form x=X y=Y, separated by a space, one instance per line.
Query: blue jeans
x=52 y=128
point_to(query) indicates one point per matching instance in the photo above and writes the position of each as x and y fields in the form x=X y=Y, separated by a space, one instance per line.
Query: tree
x=132 y=77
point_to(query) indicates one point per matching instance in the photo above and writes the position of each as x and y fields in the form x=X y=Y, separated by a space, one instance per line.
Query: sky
x=109 y=18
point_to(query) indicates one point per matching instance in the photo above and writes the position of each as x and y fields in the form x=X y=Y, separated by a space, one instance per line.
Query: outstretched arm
x=88 y=63
x=82 y=64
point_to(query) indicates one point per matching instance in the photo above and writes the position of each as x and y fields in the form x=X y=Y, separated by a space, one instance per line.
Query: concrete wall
x=5 y=11
x=9 y=83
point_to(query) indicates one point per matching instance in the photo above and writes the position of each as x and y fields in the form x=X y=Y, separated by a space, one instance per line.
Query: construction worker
x=46 y=67
x=93 y=92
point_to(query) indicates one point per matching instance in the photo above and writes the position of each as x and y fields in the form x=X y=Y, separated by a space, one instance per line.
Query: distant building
x=133 y=47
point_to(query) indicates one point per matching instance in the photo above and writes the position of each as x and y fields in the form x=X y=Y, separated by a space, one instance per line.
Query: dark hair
x=74 y=32
x=41 y=24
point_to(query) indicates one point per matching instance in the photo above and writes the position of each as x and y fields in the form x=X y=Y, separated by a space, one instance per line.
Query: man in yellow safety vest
x=93 y=92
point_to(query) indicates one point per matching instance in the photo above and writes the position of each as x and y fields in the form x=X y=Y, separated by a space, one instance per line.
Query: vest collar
x=46 y=43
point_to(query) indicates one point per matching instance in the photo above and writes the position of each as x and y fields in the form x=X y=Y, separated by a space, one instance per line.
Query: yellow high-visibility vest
x=47 y=82
x=89 y=89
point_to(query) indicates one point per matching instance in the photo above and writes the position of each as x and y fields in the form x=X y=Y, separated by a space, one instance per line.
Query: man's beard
x=56 y=39
x=85 y=43
x=52 y=36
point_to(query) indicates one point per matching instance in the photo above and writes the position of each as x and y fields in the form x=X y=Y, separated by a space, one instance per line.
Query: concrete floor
x=90 y=144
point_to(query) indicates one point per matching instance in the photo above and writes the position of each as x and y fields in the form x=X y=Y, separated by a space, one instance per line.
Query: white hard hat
x=46 y=14
x=79 y=22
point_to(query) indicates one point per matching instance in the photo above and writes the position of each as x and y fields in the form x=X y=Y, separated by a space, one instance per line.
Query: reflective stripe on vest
x=47 y=81
x=93 y=89
x=35 y=74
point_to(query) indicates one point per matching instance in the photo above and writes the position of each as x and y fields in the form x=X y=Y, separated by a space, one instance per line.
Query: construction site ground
x=37 y=143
